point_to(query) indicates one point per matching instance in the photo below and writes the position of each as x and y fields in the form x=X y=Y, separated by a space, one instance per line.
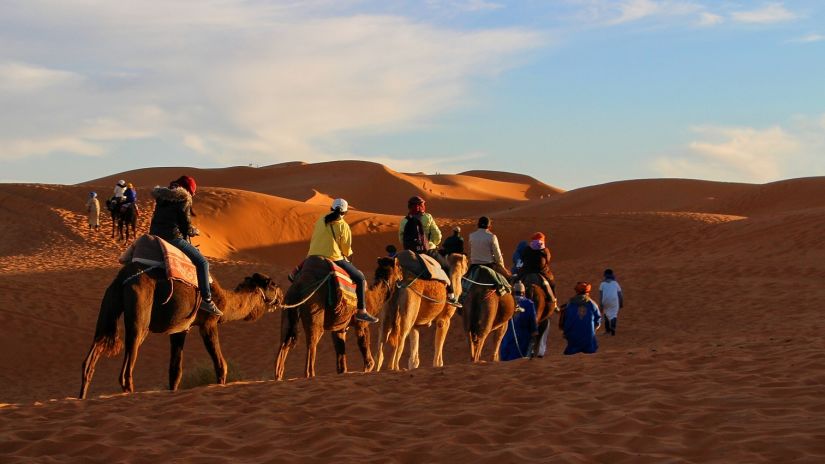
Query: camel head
x=271 y=294
x=458 y=267
x=388 y=271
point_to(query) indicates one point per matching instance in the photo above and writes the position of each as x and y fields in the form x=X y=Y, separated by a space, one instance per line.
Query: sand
x=718 y=357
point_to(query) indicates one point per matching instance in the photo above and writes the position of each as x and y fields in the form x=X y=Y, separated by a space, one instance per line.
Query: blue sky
x=573 y=92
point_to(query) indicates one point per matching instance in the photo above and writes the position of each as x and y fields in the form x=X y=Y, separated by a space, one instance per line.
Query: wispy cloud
x=710 y=19
x=809 y=38
x=767 y=14
x=233 y=80
x=749 y=154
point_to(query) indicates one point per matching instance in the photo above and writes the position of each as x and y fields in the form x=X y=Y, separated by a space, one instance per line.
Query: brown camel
x=545 y=307
x=418 y=303
x=306 y=302
x=486 y=312
x=151 y=303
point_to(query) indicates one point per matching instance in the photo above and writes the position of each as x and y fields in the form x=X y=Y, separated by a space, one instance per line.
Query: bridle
x=270 y=303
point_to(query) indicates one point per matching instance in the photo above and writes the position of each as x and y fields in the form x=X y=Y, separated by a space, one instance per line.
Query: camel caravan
x=165 y=287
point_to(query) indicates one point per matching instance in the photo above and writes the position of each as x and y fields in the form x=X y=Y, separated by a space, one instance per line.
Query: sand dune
x=718 y=356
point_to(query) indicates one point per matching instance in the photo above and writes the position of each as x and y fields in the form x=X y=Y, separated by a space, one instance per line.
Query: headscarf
x=93 y=194
x=537 y=241
x=582 y=288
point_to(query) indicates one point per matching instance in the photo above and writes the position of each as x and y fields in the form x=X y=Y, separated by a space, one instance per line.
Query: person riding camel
x=419 y=233
x=172 y=222
x=332 y=239
x=535 y=259
x=119 y=192
x=129 y=197
x=484 y=249
x=454 y=243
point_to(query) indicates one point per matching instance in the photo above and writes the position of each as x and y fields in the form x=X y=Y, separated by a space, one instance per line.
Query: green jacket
x=431 y=231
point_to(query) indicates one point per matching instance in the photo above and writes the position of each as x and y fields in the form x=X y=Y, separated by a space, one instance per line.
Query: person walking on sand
x=522 y=328
x=93 y=211
x=579 y=321
x=611 y=300
x=332 y=239
x=172 y=222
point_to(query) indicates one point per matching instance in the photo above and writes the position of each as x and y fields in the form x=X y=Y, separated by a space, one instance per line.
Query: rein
x=407 y=286
x=320 y=283
x=477 y=283
x=271 y=303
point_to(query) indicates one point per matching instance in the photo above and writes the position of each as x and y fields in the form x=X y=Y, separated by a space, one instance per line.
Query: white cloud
x=250 y=79
x=23 y=78
x=767 y=14
x=809 y=38
x=469 y=6
x=750 y=154
x=612 y=12
x=710 y=19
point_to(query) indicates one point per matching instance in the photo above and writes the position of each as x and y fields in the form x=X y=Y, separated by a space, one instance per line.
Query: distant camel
x=486 y=312
x=124 y=218
x=152 y=304
x=308 y=297
x=545 y=307
x=418 y=303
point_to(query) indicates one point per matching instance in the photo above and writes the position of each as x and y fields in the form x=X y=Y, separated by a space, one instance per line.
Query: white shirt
x=120 y=191
x=484 y=248
x=610 y=297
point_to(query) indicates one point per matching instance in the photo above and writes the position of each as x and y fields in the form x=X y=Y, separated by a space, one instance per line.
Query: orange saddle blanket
x=156 y=252
x=341 y=284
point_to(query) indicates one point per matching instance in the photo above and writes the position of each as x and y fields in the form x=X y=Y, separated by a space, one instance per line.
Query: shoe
x=453 y=301
x=209 y=307
x=365 y=317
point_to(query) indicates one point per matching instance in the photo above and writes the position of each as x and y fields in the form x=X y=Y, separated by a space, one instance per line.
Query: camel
x=125 y=219
x=151 y=303
x=418 y=303
x=486 y=312
x=306 y=302
x=534 y=290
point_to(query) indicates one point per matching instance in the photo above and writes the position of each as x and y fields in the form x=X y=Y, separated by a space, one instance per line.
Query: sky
x=571 y=92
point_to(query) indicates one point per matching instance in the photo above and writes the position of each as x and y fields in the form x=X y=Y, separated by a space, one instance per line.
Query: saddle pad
x=344 y=282
x=154 y=251
x=341 y=285
x=421 y=264
x=484 y=273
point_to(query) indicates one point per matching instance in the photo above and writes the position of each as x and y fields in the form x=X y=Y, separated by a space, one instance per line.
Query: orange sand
x=718 y=358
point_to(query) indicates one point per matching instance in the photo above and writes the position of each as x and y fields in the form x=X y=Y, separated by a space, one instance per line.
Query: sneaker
x=365 y=317
x=453 y=301
x=209 y=307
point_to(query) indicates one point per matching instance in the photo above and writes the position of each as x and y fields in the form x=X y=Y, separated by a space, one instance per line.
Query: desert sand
x=719 y=355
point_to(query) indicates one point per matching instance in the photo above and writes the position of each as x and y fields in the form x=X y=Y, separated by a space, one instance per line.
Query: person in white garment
x=610 y=300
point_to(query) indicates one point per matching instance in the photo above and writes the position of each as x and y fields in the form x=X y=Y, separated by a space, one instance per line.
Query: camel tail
x=106 y=333
x=393 y=318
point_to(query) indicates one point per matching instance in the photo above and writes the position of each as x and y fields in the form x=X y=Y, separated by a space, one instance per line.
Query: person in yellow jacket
x=332 y=239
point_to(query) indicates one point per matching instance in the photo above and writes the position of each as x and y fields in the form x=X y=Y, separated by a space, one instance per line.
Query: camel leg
x=498 y=336
x=441 y=328
x=176 y=359
x=313 y=336
x=89 y=367
x=133 y=338
x=409 y=310
x=288 y=339
x=339 y=341
x=363 y=337
x=209 y=334
x=413 y=362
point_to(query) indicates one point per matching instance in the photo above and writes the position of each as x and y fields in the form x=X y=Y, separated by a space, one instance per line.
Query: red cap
x=187 y=183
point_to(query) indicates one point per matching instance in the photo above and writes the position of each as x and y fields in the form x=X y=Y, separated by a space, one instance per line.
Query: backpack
x=414 y=238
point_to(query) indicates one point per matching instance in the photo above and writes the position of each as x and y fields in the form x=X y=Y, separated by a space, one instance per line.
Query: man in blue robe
x=521 y=329
x=579 y=321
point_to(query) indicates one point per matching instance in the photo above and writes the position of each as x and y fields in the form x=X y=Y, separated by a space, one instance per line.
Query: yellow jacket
x=431 y=230
x=333 y=240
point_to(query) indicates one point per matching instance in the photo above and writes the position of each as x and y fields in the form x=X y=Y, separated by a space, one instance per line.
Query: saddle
x=155 y=252
x=424 y=266
x=341 y=286
x=484 y=273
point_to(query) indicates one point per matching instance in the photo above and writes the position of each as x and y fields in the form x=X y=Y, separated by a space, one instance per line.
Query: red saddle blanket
x=154 y=251
x=319 y=267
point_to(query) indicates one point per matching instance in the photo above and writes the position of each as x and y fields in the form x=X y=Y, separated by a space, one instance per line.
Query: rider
x=454 y=243
x=419 y=233
x=172 y=222
x=332 y=239
x=535 y=259
x=484 y=249
x=129 y=196
x=119 y=192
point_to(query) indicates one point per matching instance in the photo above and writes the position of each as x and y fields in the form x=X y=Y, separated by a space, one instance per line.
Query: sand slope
x=719 y=355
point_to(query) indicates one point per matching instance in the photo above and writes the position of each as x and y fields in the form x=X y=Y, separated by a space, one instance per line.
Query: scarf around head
x=537 y=244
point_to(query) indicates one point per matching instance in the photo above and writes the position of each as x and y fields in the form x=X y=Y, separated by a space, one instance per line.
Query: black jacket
x=453 y=244
x=173 y=208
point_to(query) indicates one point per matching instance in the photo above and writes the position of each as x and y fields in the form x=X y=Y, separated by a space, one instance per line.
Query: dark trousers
x=359 y=280
x=201 y=265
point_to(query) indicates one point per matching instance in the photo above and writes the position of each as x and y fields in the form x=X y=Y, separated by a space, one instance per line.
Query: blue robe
x=579 y=322
x=520 y=330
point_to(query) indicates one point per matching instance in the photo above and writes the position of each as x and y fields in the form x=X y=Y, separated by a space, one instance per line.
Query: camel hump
x=487 y=275
x=153 y=251
x=312 y=272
